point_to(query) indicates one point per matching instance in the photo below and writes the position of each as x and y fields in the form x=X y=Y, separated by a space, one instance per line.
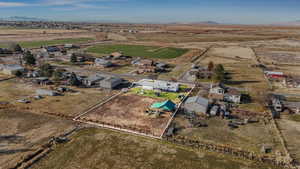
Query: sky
x=156 y=11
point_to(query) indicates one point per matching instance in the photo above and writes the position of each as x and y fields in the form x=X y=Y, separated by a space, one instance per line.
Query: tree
x=29 y=58
x=46 y=70
x=18 y=73
x=57 y=75
x=15 y=47
x=73 y=58
x=73 y=81
x=219 y=73
x=210 y=66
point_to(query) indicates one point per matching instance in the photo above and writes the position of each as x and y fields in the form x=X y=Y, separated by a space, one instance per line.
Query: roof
x=95 y=77
x=116 y=54
x=159 y=84
x=13 y=67
x=274 y=73
x=198 y=100
x=232 y=91
x=102 y=61
x=167 y=105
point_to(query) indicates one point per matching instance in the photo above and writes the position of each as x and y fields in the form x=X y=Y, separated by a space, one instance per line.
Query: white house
x=149 y=84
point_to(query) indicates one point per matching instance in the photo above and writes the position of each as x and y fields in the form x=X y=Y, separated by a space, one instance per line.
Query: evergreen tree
x=29 y=58
x=73 y=58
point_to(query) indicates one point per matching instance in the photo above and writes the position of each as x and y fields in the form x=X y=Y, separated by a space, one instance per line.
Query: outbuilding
x=196 y=104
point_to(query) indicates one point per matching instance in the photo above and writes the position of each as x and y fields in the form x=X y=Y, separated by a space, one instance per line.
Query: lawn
x=35 y=44
x=139 y=51
x=105 y=149
x=163 y=95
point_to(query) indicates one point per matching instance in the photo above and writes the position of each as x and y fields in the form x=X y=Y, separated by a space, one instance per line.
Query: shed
x=166 y=105
x=196 y=104
x=44 y=92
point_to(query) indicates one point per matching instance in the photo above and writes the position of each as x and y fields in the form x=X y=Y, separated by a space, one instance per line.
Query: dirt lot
x=128 y=110
x=291 y=133
x=234 y=52
x=104 y=149
x=23 y=132
x=70 y=104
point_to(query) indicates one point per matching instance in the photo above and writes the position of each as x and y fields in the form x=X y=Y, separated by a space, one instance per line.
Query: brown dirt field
x=21 y=133
x=128 y=110
x=291 y=133
x=15 y=35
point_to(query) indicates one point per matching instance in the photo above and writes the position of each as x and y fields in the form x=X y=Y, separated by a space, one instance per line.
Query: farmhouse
x=220 y=92
x=196 y=105
x=11 y=69
x=149 y=84
x=103 y=81
x=217 y=92
x=274 y=75
x=232 y=95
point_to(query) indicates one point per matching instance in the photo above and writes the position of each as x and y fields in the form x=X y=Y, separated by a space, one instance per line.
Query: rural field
x=23 y=132
x=70 y=104
x=139 y=51
x=244 y=51
x=104 y=149
x=37 y=44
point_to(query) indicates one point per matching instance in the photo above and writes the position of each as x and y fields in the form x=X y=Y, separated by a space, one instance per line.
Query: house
x=233 y=96
x=44 y=92
x=167 y=105
x=196 y=104
x=103 y=81
x=116 y=55
x=217 y=92
x=11 y=69
x=274 y=75
x=5 y=51
x=102 y=63
x=149 y=84
x=52 y=49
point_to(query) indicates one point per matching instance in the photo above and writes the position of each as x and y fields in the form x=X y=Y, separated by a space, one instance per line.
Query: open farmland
x=104 y=149
x=23 y=132
x=36 y=44
x=128 y=111
x=249 y=137
x=154 y=52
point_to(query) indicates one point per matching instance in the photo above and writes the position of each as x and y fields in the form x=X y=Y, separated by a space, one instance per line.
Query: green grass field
x=35 y=44
x=105 y=149
x=139 y=51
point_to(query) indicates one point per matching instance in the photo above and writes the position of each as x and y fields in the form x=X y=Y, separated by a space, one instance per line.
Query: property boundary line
x=171 y=119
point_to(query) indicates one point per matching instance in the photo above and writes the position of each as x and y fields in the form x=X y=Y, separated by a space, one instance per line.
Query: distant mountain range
x=292 y=23
x=21 y=18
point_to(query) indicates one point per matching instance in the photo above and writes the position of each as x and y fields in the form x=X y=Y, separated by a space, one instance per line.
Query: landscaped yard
x=139 y=51
x=175 y=97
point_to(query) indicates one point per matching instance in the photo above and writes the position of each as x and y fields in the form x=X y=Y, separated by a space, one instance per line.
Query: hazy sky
x=224 y=11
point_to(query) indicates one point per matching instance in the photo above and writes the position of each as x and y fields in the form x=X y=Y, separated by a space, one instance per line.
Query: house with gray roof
x=102 y=63
x=196 y=104
x=11 y=69
x=44 y=92
x=103 y=81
